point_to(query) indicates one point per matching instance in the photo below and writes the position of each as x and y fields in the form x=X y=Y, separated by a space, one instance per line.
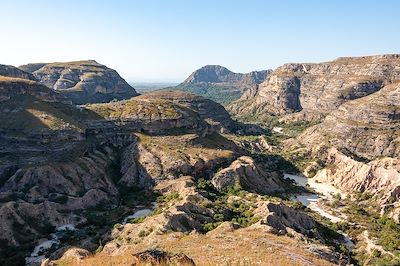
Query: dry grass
x=140 y=108
x=241 y=247
x=181 y=146
x=30 y=113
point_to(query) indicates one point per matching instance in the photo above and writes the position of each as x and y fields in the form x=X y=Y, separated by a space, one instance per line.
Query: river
x=37 y=254
x=314 y=200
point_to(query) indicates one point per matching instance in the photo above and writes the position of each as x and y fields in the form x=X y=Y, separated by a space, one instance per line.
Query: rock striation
x=13 y=72
x=248 y=174
x=311 y=91
x=365 y=128
x=82 y=81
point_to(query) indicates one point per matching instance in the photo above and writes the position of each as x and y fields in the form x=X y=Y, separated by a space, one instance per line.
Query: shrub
x=136 y=220
x=143 y=233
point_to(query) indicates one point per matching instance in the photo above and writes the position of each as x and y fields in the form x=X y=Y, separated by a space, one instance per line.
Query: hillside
x=82 y=81
x=311 y=91
x=69 y=175
x=220 y=84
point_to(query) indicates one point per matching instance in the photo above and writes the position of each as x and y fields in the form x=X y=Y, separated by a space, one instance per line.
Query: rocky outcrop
x=43 y=197
x=282 y=219
x=220 y=84
x=13 y=72
x=159 y=257
x=212 y=112
x=248 y=174
x=162 y=158
x=11 y=87
x=82 y=81
x=155 y=116
x=317 y=89
x=379 y=178
x=365 y=128
x=184 y=213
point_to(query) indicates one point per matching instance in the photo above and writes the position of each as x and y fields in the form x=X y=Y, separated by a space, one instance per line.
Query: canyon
x=300 y=167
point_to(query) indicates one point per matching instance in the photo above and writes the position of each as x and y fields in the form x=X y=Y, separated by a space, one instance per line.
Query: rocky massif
x=311 y=91
x=69 y=174
x=82 y=81
x=143 y=179
x=220 y=84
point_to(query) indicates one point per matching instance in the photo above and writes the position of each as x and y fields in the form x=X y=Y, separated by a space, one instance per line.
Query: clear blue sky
x=166 y=40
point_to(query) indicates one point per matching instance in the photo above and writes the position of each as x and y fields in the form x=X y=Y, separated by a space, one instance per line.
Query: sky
x=166 y=40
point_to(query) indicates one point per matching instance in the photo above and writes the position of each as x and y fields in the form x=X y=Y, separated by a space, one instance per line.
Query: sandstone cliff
x=314 y=90
x=82 y=81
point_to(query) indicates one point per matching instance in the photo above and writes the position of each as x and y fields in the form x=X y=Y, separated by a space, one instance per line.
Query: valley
x=299 y=166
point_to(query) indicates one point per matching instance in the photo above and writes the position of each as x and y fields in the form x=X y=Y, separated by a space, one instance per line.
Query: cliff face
x=82 y=81
x=367 y=128
x=314 y=90
x=359 y=146
x=212 y=112
x=220 y=84
x=13 y=72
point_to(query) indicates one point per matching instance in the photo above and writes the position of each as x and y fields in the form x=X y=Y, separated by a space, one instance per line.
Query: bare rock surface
x=82 y=81
x=159 y=257
x=317 y=89
x=247 y=173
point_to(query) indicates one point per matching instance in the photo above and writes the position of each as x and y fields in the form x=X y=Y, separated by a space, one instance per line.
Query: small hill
x=82 y=81
x=220 y=84
x=212 y=112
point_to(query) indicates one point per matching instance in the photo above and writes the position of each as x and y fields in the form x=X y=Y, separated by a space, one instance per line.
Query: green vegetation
x=238 y=211
x=220 y=94
x=136 y=220
x=164 y=200
x=363 y=215
x=144 y=233
x=13 y=255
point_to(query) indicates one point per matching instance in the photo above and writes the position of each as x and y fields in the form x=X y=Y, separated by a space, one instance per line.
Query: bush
x=143 y=233
x=117 y=226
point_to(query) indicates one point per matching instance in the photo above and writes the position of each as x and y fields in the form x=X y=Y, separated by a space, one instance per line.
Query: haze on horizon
x=165 y=41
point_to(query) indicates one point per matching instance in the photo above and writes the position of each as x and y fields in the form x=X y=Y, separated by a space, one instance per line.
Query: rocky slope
x=82 y=81
x=365 y=134
x=220 y=84
x=210 y=111
x=87 y=166
x=367 y=128
x=13 y=72
x=187 y=212
x=311 y=91
x=250 y=175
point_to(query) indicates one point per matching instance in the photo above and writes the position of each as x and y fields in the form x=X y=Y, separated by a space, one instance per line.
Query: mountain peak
x=210 y=73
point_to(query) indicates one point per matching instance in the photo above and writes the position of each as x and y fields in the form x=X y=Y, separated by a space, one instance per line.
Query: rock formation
x=159 y=257
x=13 y=72
x=311 y=91
x=247 y=173
x=220 y=84
x=82 y=81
